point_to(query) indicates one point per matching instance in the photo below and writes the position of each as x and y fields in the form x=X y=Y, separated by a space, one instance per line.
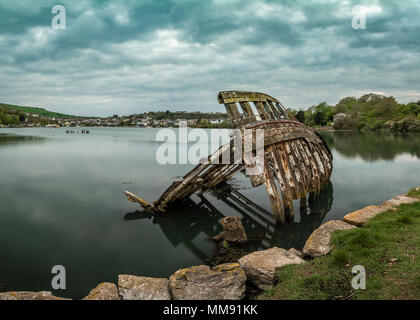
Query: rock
x=360 y=217
x=296 y=252
x=222 y=282
x=143 y=288
x=318 y=243
x=104 y=291
x=29 y=295
x=261 y=266
x=234 y=230
x=401 y=199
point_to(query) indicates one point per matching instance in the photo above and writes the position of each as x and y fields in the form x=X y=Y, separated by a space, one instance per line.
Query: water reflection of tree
x=7 y=140
x=184 y=222
x=372 y=146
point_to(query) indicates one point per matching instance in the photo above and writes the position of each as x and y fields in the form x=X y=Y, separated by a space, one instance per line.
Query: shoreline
x=317 y=129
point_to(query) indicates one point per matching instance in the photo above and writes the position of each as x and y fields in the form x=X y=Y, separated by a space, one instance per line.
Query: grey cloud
x=132 y=56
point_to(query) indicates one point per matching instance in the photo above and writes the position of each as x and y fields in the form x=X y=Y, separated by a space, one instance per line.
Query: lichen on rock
x=143 y=288
x=261 y=266
x=318 y=243
x=104 y=291
x=222 y=282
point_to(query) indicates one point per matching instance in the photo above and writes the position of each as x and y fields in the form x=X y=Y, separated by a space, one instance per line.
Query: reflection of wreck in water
x=187 y=219
x=296 y=163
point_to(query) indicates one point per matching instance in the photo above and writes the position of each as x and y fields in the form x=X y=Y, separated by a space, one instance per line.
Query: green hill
x=13 y=109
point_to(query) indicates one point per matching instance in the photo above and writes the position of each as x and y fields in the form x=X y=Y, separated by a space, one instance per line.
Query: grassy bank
x=388 y=247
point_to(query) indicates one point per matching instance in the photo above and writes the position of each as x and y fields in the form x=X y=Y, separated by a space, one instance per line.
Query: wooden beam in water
x=272 y=190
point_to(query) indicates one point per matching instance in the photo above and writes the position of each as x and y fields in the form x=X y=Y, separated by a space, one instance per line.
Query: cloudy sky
x=138 y=55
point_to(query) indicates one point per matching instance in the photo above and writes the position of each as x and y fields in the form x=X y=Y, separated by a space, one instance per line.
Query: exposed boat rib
x=297 y=161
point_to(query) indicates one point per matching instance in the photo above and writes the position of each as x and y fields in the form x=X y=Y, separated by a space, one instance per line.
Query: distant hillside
x=13 y=109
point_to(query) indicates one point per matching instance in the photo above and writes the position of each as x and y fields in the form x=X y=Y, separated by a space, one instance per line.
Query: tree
x=319 y=118
x=300 y=116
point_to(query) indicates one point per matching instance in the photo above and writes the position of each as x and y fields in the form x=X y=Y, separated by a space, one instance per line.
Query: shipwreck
x=297 y=161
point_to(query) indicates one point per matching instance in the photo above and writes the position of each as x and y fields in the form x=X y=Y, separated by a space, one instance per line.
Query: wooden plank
x=308 y=170
x=326 y=176
x=272 y=190
x=260 y=108
x=315 y=181
x=233 y=111
x=278 y=114
x=288 y=170
x=220 y=175
x=286 y=192
x=268 y=110
x=240 y=96
x=304 y=170
x=296 y=167
x=246 y=107
x=282 y=111
x=320 y=164
x=251 y=164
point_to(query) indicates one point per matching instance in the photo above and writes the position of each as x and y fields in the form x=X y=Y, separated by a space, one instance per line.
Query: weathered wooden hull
x=297 y=162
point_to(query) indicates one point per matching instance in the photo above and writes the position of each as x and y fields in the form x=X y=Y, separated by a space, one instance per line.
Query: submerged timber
x=297 y=162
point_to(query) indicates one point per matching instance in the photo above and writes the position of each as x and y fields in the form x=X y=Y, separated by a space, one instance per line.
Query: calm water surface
x=62 y=203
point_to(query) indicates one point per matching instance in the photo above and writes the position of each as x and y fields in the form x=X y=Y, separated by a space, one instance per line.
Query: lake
x=62 y=203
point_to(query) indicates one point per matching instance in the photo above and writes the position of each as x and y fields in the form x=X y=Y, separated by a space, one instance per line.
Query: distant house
x=339 y=117
x=339 y=120
x=178 y=122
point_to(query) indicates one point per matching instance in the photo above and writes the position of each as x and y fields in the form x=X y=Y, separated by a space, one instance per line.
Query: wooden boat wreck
x=297 y=163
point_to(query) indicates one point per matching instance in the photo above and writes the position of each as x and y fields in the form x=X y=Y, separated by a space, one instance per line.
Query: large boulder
x=400 y=199
x=222 y=282
x=234 y=230
x=360 y=217
x=261 y=266
x=143 y=288
x=296 y=252
x=318 y=243
x=104 y=291
x=29 y=295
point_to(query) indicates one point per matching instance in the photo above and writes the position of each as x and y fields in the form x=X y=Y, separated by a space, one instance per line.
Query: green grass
x=414 y=193
x=388 y=247
x=39 y=111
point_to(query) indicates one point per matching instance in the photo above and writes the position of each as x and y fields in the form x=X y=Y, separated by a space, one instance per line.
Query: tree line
x=369 y=112
x=11 y=116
